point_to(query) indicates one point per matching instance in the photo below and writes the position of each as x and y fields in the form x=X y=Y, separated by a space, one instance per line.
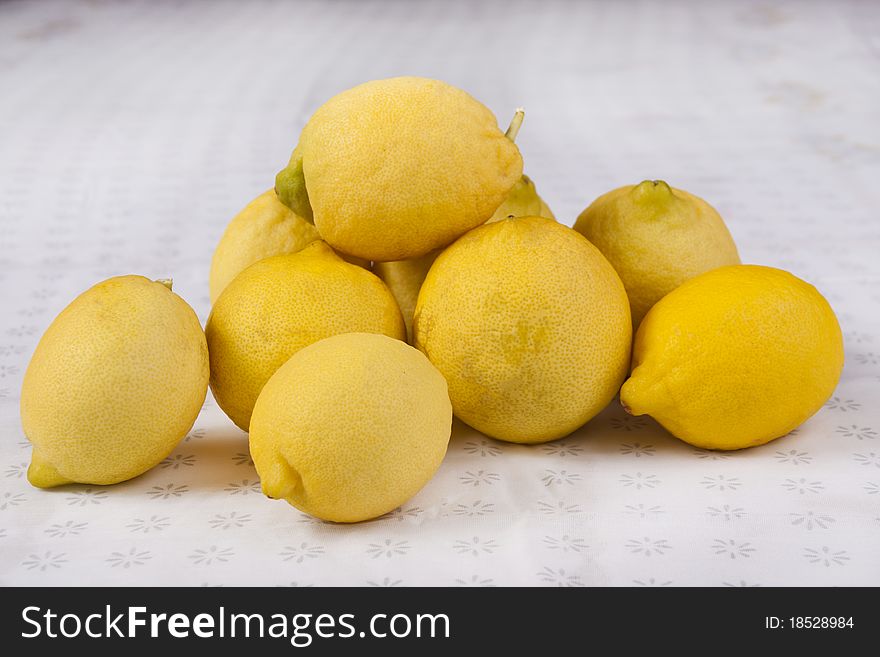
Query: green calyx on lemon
x=656 y=237
x=735 y=357
x=392 y=169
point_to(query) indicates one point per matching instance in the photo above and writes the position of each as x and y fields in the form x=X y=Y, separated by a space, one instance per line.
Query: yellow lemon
x=279 y=305
x=351 y=427
x=735 y=357
x=656 y=237
x=523 y=201
x=404 y=277
x=116 y=381
x=264 y=228
x=392 y=169
x=530 y=326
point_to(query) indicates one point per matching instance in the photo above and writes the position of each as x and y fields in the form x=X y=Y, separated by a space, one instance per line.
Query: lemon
x=404 y=277
x=351 y=427
x=264 y=228
x=114 y=384
x=523 y=201
x=392 y=169
x=735 y=357
x=279 y=305
x=530 y=326
x=656 y=237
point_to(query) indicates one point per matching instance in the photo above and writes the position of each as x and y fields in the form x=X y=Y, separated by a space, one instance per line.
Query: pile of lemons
x=404 y=269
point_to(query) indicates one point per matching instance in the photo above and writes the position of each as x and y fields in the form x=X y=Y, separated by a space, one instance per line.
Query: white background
x=130 y=134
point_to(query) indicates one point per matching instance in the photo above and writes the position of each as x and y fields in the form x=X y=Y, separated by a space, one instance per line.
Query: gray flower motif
x=400 y=513
x=22 y=331
x=651 y=582
x=811 y=520
x=802 y=486
x=388 y=548
x=301 y=552
x=8 y=500
x=479 y=478
x=167 y=491
x=558 y=508
x=643 y=511
x=868 y=460
x=720 y=482
x=69 y=528
x=32 y=311
x=86 y=497
x=147 y=525
x=243 y=458
x=16 y=471
x=741 y=583
x=229 y=520
x=45 y=561
x=639 y=480
x=794 y=457
x=478 y=508
x=565 y=543
x=211 y=555
x=647 y=546
x=244 y=487
x=3 y=533
x=4 y=393
x=562 y=448
x=732 y=548
x=869 y=358
x=858 y=338
x=295 y=585
x=628 y=423
x=133 y=557
x=482 y=447
x=826 y=556
x=711 y=455
x=872 y=488
x=195 y=434
x=726 y=512
x=552 y=477
x=559 y=577
x=842 y=405
x=176 y=461
x=855 y=431
x=475 y=580
x=8 y=370
x=637 y=449
x=386 y=582
x=475 y=546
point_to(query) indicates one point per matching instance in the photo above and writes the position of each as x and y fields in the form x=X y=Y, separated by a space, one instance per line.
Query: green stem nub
x=167 y=282
x=515 y=124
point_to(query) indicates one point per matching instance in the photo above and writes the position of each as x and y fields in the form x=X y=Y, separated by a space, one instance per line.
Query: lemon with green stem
x=656 y=237
x=392 y=169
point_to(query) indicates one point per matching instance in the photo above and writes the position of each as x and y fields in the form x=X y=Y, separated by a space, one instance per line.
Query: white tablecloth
x=130 y=134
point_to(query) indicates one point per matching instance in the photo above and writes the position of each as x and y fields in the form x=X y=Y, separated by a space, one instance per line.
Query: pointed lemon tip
x=167 y=282
x=630 y=396
x=41 y=474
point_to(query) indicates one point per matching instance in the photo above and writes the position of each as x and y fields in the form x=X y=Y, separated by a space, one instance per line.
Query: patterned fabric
x=132 y=133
